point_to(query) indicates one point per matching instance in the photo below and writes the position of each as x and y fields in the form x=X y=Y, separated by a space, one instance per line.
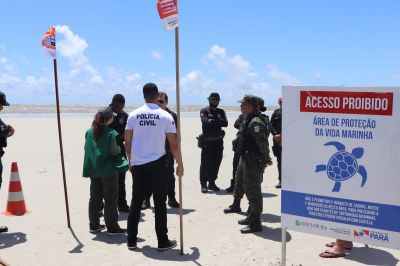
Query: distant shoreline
x=90 y=109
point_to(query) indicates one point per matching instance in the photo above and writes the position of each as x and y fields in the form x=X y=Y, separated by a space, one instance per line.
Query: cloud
x=156 y=55
x=196 y=83
x=25 y=86
x=97 y=80
x=226 y=63
x=231 y=75
x=284 y=77
x=73 y=47
x=133 y=78
x=113 y=73
x=8 y=66
x=317 y=75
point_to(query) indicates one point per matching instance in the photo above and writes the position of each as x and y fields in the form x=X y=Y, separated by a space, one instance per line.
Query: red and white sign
x=347 y=102
x=168 y=11
x=49 y=42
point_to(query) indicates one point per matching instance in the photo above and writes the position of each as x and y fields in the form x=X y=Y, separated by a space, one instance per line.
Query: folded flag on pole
x=168 y=11
x=49 y=42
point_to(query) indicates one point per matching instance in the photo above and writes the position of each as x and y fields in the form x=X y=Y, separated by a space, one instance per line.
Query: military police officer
x=119 y=123
x=212 y=119
x=276 y=130
x=254 y=149
x=236 y=155
x=6 y=131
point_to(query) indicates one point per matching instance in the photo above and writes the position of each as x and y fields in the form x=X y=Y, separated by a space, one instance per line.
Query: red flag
x=49 y=42
x=168 y=11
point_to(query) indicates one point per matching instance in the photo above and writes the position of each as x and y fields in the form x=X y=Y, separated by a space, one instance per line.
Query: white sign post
x=341 y=163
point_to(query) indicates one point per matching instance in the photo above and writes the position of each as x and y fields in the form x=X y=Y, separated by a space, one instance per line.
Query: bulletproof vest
x=247 y=143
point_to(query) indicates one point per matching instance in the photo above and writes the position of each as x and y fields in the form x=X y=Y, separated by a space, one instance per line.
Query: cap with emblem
x=251 y=99
x=214 y=96
x=3 y=100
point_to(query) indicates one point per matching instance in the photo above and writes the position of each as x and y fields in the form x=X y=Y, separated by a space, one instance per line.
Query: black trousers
x=277 y=150
x=170 y=173
x=151 y=174
x=1 y=172
x=170 y=177
x=121 y=190
x=211 y=157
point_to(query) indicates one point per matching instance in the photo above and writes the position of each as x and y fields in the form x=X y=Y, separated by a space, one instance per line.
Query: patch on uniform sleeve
x=256 y=129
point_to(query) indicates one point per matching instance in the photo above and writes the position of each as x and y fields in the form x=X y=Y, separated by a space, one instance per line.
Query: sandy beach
x=210 y=236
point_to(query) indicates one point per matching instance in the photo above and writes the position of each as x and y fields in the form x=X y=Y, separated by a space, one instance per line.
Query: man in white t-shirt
x=145 y=133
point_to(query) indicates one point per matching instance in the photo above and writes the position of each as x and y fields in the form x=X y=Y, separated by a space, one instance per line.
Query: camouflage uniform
x=252 y=163
x=254 y=149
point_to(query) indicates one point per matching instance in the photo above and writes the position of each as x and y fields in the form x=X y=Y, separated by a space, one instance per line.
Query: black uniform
x=3 y=143
x=169 y=160
x=236 y=155
x=212 y=120
x=276 y=129
x=119 y=124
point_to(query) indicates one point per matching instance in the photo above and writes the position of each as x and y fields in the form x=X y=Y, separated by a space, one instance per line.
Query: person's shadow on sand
x=176 y=211
x=114 y=240
x=267 y=217
x=371 y=256
x=223 y=193
x=274 y=234
x=170 y=255
x=270 y=218
x=268 y=195
x=123 y=216
x=11 y=239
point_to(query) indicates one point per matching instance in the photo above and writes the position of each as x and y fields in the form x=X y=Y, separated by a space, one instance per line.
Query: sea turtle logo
x=343 y=165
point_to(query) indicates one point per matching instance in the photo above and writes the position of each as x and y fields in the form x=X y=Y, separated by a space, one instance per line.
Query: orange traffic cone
x=16 y=202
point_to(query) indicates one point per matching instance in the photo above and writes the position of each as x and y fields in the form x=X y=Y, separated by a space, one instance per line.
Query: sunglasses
x=161 y=101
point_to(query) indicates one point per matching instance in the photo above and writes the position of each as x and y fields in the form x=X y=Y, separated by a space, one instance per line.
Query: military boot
x=254 y=225
x=235 y=207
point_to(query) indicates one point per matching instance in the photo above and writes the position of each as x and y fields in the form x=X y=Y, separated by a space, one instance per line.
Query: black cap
x=3 y=100
x=119 y=98
x=214 y=95
x=106 y=112
x=261 y=104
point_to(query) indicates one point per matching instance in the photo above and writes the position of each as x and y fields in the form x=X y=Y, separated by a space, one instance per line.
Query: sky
x=230 y=47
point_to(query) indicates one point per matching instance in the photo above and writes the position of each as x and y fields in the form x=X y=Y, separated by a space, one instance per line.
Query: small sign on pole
x=168 y=11
x=49 y=42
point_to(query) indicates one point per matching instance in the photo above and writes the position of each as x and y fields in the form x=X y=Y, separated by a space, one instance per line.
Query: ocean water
x=87 y=111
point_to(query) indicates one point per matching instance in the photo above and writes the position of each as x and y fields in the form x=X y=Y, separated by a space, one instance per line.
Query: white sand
x=210 y=236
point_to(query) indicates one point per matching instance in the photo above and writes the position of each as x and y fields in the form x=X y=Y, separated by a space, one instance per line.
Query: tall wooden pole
x=178 y=111
x=60 y=141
